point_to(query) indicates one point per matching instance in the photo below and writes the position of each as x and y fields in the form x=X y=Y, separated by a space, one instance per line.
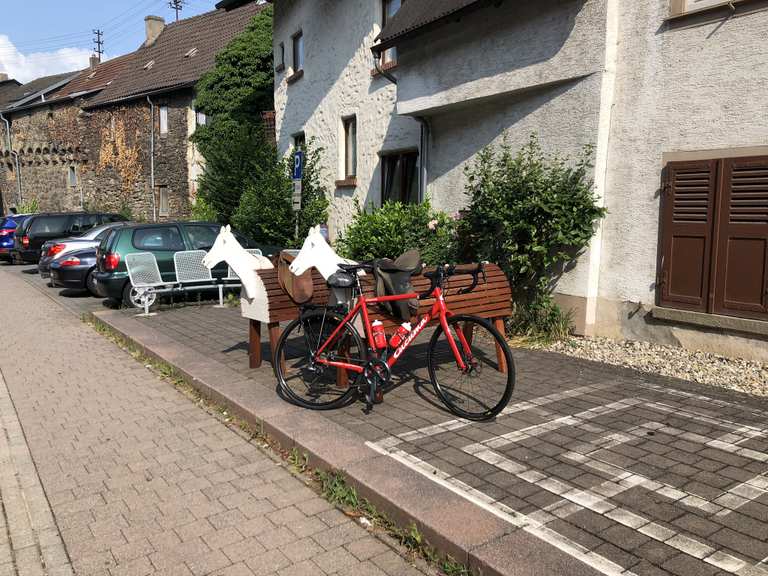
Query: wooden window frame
x=163 y=119
x=297 y=65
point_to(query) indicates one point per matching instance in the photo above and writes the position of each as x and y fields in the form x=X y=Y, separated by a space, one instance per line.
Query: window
x=714 y=249
x=350 y=147
x=390 y=8
x=400 y=177
x=202 y=237
x=280 y=58
x=49 y=225
x=678 y=7
x=158 y=238
x=299 y=141
x=162 y=203
x=200 y=118
x=298 y=52
x=163 y=120
x=72 y=176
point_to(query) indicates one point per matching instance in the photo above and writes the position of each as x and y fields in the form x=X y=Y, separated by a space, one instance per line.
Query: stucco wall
x=696 y=83
x=337 y=82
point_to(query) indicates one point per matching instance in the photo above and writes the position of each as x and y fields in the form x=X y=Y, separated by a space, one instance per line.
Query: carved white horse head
x=228 y=249
x=318 y=253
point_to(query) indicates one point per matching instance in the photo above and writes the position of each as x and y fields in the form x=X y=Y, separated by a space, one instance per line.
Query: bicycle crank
x=376 y=373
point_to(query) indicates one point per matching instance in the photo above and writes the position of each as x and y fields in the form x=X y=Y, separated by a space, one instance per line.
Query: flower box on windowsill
x=346 y=183
x=295 y=76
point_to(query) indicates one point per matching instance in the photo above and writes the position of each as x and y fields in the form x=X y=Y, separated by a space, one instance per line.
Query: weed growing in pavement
x=332 y=486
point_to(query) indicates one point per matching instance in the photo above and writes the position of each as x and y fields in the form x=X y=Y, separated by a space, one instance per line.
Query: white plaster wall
x=697 y=83
x=337 y=82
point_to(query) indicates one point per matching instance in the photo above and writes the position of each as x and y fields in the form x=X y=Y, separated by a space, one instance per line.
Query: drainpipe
x=15 y=157
x=424 y=164
x=152 y=156
x=379 y=69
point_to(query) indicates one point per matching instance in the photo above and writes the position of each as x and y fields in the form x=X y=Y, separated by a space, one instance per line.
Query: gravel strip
x=702 y=367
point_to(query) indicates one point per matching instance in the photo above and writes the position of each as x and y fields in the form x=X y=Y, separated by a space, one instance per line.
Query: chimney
x=154 y=26
x=95 y=60
x=3 y=77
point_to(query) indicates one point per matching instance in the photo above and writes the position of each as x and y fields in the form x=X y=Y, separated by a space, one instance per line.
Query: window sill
x=389 y=66
x=295 y=76
x=714 y=321
x=346 y=183
x=730 y=6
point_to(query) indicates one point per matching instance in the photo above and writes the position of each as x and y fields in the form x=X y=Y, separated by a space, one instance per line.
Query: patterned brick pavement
x=139 y=479
x=630 y=473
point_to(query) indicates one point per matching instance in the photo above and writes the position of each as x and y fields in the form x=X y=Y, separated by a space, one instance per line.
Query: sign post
x=298 y=173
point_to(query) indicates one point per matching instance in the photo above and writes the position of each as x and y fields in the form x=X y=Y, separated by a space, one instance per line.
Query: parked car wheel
x=90 y=283
x=131 y=297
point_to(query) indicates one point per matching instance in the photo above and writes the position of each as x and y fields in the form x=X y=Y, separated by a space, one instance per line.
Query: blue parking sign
x=298 y=165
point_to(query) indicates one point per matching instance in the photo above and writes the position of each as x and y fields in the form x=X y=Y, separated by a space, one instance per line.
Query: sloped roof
x=173 y=65
x=7 y=89
x=41 y=86
x=91 y=80
x=417 y=14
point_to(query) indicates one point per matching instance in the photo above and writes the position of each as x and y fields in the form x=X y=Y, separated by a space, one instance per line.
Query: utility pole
x=178 y=6
x=98 y=42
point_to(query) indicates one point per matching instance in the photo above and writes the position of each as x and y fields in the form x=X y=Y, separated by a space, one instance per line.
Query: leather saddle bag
x=298 y=288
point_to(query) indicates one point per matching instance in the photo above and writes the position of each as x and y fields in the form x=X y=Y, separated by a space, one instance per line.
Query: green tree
x=265 y=212
x=233 y=96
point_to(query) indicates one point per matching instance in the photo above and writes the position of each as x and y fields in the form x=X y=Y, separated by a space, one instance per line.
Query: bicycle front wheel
x=483 y=388
x=303 y=381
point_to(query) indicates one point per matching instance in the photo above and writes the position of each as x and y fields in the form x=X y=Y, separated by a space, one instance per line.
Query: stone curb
x=450 y=523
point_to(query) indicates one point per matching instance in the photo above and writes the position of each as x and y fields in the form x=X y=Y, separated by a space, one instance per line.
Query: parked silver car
x=55 y=249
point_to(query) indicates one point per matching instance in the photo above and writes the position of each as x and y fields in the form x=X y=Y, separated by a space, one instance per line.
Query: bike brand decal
x=407 y=342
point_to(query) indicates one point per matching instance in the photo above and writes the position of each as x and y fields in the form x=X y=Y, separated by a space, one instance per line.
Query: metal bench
x=491 y=300
x=146 y=280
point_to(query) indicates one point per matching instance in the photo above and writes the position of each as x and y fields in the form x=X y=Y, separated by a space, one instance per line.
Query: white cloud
x=26 y=67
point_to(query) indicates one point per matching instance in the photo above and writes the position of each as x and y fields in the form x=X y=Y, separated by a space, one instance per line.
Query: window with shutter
x=742 y=239
x=687 y=219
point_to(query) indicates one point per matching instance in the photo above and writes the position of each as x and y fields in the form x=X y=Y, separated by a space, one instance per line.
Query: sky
x=44 y=37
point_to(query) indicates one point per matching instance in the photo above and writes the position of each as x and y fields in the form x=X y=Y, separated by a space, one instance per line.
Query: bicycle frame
x=439 y=309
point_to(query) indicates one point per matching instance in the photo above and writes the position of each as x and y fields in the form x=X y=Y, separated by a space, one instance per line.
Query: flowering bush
x=394 y=228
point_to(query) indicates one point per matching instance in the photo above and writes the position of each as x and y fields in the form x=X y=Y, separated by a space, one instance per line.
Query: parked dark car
x=39 y=228
x=8 y=227
x=75 y=270
x=162 y=240
x=59 y=248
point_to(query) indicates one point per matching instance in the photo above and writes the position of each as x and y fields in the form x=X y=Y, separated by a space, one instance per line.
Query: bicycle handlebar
x=445 y=271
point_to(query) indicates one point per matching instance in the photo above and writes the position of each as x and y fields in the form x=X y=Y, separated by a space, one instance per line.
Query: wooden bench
x=491 y=300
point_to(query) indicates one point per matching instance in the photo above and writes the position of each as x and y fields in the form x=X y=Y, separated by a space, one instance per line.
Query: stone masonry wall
x=109 y=148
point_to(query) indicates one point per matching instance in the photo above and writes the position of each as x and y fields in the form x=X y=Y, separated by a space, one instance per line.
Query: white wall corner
x=602 y=150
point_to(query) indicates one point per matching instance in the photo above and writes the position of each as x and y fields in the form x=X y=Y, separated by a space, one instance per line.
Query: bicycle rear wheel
x=301 y=380
x=482 y=390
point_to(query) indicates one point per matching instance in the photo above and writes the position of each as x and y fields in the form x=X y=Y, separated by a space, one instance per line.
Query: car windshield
x=49 y=225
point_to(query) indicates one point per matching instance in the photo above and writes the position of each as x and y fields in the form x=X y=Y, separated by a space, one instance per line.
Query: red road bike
x=321 y=362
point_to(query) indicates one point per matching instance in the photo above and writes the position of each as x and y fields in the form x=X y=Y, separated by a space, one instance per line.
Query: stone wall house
x=670 y=93
x=116 y=137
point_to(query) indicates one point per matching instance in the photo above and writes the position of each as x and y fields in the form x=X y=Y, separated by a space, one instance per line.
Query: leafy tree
x=265 y=212
x=233 y=96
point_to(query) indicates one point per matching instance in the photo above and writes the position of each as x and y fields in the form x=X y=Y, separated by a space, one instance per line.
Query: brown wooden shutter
x=687 y=222
x=742 y=246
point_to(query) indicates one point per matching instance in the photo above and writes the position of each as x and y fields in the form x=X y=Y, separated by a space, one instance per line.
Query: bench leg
x=498 y=323
x=274 y=336
x=221 y=296
x=254 y=344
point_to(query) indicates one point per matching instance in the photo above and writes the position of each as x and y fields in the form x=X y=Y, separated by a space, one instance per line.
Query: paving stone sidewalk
x=135 y=479
x=631 y=473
